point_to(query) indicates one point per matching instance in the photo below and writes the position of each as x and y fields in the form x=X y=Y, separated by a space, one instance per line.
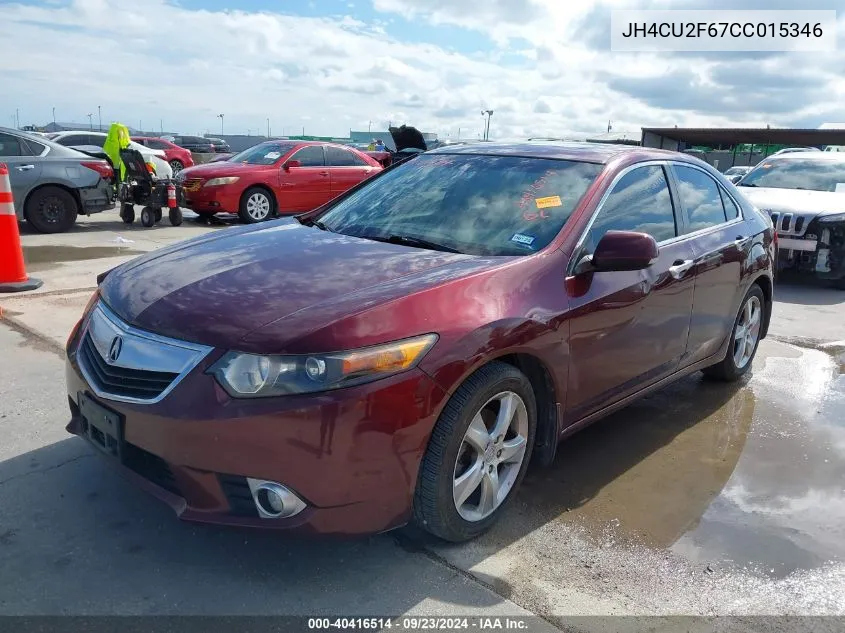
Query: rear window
x=482 y=205
x=264 y=154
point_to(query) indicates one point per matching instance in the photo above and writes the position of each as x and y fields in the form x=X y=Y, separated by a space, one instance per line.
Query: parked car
x=735 y=173
x=219 y=145
x=793 y=150
x=178 y=157
x=196 y=144
x=92 y=143
x=51 y=184
x=275 y=177
x=403 y=352
x=804 y=193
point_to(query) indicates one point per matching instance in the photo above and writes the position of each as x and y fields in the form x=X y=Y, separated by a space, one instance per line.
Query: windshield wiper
x=407 y=240
x=321 y=226
x=745 y=184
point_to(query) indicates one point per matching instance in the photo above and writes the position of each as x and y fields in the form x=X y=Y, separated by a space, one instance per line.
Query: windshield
x=798 y=173
x=481 y=205
x=263 y=154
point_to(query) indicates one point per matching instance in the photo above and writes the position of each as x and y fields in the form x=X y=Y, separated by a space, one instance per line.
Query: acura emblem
x=114 y=350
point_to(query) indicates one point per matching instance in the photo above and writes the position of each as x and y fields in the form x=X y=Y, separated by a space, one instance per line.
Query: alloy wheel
x=490 y=457
x=258 y=206
x=747 y=332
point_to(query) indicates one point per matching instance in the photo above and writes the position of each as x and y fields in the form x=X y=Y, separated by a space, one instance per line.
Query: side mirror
x=291 y=163
x=620 y=250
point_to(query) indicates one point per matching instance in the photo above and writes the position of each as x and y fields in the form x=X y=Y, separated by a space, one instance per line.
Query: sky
x=543 y=66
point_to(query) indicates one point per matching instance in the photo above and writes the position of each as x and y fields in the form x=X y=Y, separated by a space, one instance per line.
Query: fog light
x=315 y=368
x=273 y=500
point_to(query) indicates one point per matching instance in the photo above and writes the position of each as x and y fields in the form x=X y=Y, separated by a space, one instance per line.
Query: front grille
x=239 y=495
x=151 y=467
x=121 y=381
x=192 y=184
x=789 y=223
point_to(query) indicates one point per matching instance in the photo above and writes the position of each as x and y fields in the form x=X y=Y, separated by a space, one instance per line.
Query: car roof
x=562 y=150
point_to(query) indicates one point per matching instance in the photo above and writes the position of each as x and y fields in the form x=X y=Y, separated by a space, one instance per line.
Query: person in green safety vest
x=117 y=139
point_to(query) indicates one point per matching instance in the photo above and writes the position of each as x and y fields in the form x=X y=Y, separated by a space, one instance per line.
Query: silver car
x=52 y=184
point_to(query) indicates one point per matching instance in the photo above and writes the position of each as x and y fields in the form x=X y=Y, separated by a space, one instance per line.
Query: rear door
x=629 y=329
x=305 y=187
x=24 y=166
x=346 y=169
x=721 y=242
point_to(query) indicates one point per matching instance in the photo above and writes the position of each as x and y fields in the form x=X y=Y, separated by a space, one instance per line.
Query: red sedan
x=178 y=157
x=275 y=177
x=404 y=352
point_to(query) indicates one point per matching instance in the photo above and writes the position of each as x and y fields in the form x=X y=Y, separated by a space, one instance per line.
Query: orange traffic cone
x=12 y=271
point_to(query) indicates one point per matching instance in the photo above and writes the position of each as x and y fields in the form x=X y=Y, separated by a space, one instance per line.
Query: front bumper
x=223 y=199
x=351 y=455
x=820 y=251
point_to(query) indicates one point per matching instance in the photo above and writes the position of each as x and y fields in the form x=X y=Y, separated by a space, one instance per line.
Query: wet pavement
x=47 y=257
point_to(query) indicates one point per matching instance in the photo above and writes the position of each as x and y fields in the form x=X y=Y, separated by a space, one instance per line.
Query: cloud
x=348 y=72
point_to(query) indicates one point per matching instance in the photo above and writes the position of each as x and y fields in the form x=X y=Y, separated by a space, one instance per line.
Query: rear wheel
x=127 y=213
x=745 y=338
x=51 y=210
x=175 y=216
x=256 y=205
x=477 y=455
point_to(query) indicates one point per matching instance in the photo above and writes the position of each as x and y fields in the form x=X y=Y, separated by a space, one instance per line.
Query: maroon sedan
x=178 y=157
x=403 y=352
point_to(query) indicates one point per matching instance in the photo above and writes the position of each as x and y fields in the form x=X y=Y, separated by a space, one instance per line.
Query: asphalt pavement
x=703 y=499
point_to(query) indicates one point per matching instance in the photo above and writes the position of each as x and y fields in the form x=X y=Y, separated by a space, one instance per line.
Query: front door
x=715 y=225
x=347 y=169
x=24 y=166
x=305 y=187
x=629 y=329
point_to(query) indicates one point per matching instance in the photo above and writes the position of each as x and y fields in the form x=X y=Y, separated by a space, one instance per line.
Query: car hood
x=217 y=168
x=808 y=203
x=294 y=279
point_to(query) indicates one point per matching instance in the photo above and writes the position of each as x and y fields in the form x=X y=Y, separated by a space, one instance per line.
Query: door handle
x=741 y=241
x=324 y=173
x=25 y=167
x=680 y=267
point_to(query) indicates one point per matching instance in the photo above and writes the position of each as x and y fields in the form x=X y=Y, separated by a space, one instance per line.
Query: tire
x=51 y=210
x=452 y=457
x=257 y=205
x=147 y=217
x=734 y=365
x=175 y=216
x=176 y=166
x=127 y=213
x=839 y=283
x=158 y=215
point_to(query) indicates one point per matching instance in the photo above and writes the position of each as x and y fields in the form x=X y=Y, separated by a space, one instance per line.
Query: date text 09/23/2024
x=421 y=623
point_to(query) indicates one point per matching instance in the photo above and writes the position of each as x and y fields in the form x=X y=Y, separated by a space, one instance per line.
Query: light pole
x=268 y=127
x=220 y=116
x=17 y=118
x=161 y=126
x=91 y=121
x=488 y=113
x=54 y=117
x=99 y=118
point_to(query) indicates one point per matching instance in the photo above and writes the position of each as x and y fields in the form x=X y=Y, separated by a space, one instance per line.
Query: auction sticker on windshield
x=548 y=201
x=525 y=240
x=272 y=155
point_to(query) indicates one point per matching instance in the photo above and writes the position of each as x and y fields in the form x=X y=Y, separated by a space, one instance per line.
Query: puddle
x=39 y=258
x=748 y=475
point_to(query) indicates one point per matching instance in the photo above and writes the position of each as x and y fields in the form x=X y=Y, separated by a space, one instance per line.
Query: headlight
x=836 y=217
x=226 y=180
x=253 y=376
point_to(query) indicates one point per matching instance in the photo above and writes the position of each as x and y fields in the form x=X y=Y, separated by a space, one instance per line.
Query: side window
x=700 y=197
x=640 y=202
x=310 y=156
x=731 y=210
x=11 y=146
x=96 y=140
x=338 y=157
x=71 y=139
x=153 y=144
x=32 y=148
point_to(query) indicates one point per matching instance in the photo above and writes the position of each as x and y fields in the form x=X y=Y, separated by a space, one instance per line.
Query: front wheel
x=176 y=166
x=175 y=216
x=148 y=217
x=256 y=205
x=477 y=455
x=745 y=338
x=127 y=213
